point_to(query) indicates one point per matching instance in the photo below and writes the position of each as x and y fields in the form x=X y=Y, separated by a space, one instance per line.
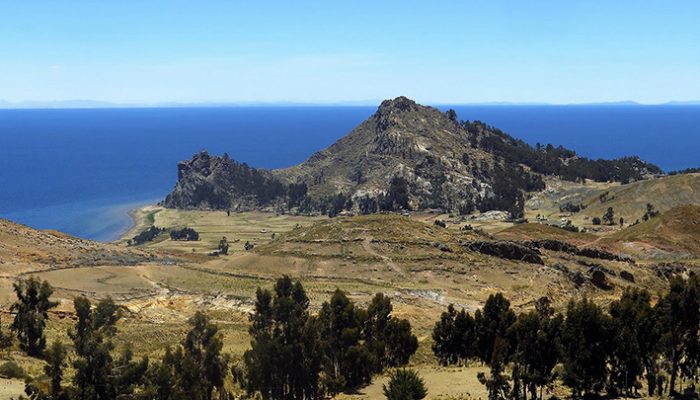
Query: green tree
x=537 y=338
x=284 y=359
x=679 y=315
x=636 y=335
x=97 y=376
x=31 y=312
x=609 y=216
x=55 y=365
x=492 y=322
x=586 y=345
x=389 y=339
x=405 y=384
x=454 y=337
x=196 y=368
x=346 y=362
x=496 y=382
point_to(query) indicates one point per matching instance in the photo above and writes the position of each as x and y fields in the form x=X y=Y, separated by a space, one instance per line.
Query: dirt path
x=367 y=245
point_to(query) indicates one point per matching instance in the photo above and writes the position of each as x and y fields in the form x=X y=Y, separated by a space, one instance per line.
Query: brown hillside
x=23 y=246
x=676 y=230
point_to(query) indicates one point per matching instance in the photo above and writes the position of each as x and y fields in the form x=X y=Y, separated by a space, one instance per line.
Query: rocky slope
x=404 y=156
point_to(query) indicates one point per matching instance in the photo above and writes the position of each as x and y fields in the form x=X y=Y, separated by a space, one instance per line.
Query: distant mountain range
x=78 y=103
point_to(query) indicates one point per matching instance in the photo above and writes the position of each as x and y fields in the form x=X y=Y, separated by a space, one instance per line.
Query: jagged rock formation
x=404 y=156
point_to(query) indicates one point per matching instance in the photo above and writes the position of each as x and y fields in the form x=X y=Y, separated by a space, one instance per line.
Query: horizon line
x=101 y=104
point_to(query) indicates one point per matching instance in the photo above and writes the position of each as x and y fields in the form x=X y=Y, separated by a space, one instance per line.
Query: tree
x=197 y=366
x=586 y=344
x=389 y=339
x=405 y=384
x=97 y=376
x=679 y=315
x=497 y=383
x=55 y=364
x=635 y=340
x=492 y=322
x=367 y=205
x=650 y=212
x=537 y=338
x=596 y=221
x=346 y=362
x=31 y=312
x=609 y=216
x=284 y=360
x=454 y=337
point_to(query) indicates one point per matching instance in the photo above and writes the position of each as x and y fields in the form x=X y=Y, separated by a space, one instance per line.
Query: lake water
x=80 y=171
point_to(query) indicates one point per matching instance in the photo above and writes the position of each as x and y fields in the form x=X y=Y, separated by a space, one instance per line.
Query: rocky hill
x=405 y=156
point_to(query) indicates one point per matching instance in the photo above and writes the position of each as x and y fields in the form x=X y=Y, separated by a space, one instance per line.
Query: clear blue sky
x=328 y=51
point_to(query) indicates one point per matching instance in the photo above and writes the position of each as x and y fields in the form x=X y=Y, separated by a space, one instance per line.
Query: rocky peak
x=398 y=104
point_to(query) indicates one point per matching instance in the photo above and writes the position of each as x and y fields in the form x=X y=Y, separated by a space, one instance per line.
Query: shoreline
x=139 y=221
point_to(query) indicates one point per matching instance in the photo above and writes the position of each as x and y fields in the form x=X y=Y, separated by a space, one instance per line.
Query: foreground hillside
x=423 y=265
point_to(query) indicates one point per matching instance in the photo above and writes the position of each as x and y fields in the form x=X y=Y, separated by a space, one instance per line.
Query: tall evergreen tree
x=31 y=312
x=679 y=315
x=537 y=341
x=636 y=334
x=55 y=366
x=586 y=344
x=346 y=362
x=284 y=359
x=492 y=322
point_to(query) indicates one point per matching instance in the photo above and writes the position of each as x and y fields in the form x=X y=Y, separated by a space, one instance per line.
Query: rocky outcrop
x=557 y=245
x=214 y=182
x=506 y=250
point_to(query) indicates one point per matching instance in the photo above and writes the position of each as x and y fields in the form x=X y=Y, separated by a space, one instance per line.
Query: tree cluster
x=187 y=234
x=195 y=369
x=591 y=349
x=558 y=161
x=295 y=355
x=148 y=235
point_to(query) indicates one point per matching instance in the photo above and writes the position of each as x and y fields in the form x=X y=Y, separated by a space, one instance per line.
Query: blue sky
x=326 y=52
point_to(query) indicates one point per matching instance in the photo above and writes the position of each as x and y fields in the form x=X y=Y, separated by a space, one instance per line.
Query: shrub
x=12 y=370
x=187 y=234
x=405 y=384
x=146 y=236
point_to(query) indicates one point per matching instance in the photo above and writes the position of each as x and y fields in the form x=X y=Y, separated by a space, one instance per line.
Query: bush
x=12 y=370
x=405 y=384
x=187 y=234
x=146 y=236
x=596 y=221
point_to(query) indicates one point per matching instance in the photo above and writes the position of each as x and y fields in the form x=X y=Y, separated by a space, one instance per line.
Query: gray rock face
x=214 y=182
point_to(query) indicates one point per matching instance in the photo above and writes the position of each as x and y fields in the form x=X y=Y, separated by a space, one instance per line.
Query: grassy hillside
x=675 y=230
x=629 y=201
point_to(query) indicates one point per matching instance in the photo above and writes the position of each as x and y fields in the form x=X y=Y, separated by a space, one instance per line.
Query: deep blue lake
x=80 y=171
